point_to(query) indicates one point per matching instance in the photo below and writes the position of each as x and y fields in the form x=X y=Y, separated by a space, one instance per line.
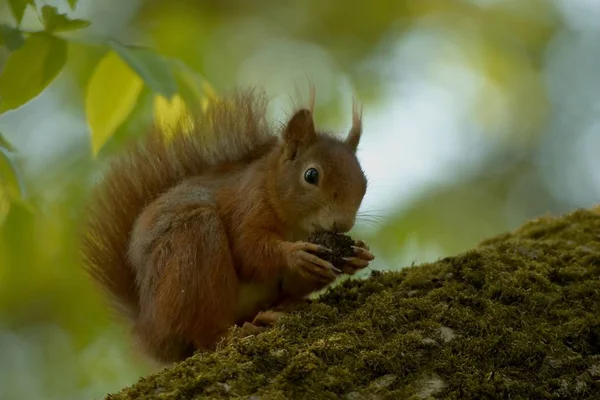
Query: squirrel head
x=320 y=183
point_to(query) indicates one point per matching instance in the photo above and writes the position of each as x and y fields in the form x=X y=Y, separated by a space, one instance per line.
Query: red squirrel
x=197 y=233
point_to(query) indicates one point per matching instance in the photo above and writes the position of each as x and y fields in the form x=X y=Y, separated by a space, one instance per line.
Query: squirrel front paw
x=301 y=257
x=361 y=260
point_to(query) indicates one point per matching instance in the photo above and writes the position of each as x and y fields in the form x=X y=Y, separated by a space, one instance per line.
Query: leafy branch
x=36 y=58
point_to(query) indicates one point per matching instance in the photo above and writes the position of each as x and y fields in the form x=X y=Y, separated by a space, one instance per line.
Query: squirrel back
x=232 y=130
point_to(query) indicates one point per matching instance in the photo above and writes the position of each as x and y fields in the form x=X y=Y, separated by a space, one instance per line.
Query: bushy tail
x=232 y=129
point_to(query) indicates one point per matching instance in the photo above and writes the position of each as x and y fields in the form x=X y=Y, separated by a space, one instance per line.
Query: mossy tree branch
x=516 y=317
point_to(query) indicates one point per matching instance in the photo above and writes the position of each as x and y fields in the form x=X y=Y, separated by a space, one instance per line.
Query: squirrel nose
x=343 y=226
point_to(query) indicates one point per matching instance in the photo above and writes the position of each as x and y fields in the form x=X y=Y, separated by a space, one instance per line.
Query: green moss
x=517 y=318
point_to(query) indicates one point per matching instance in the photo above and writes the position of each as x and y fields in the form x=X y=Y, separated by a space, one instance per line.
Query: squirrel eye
x=311 y=176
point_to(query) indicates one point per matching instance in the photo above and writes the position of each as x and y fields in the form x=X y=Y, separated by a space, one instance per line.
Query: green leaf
x=72 y=3
x=137 y=123
x=10 y=175
x=30 y=69
x=56 y=22
x=111 y=96
x=11 y=37
x=150 y=66
x=17 y=7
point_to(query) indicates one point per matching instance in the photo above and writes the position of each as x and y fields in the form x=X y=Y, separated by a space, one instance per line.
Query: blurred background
x=478 y=115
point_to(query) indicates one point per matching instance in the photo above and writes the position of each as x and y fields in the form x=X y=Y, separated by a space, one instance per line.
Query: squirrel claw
x=361 y=259
x=317 y=248
x=353 y=265
x=363 y=253
x=357 y=262
x=361 y=244
x=301 y=258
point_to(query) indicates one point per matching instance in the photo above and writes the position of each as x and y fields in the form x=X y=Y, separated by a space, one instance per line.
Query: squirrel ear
x=356 y=131
x=299 y=132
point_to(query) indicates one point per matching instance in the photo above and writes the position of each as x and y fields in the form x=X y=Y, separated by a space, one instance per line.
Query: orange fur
x=193 y=235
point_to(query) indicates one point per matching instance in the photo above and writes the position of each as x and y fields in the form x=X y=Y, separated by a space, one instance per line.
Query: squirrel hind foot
x=267 y=318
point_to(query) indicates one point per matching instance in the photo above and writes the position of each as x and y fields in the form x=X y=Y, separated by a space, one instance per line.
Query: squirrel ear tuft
x=299 y=132
x=355 y=133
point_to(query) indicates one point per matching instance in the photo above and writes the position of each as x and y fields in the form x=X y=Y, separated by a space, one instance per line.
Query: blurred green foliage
x=116 y=67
